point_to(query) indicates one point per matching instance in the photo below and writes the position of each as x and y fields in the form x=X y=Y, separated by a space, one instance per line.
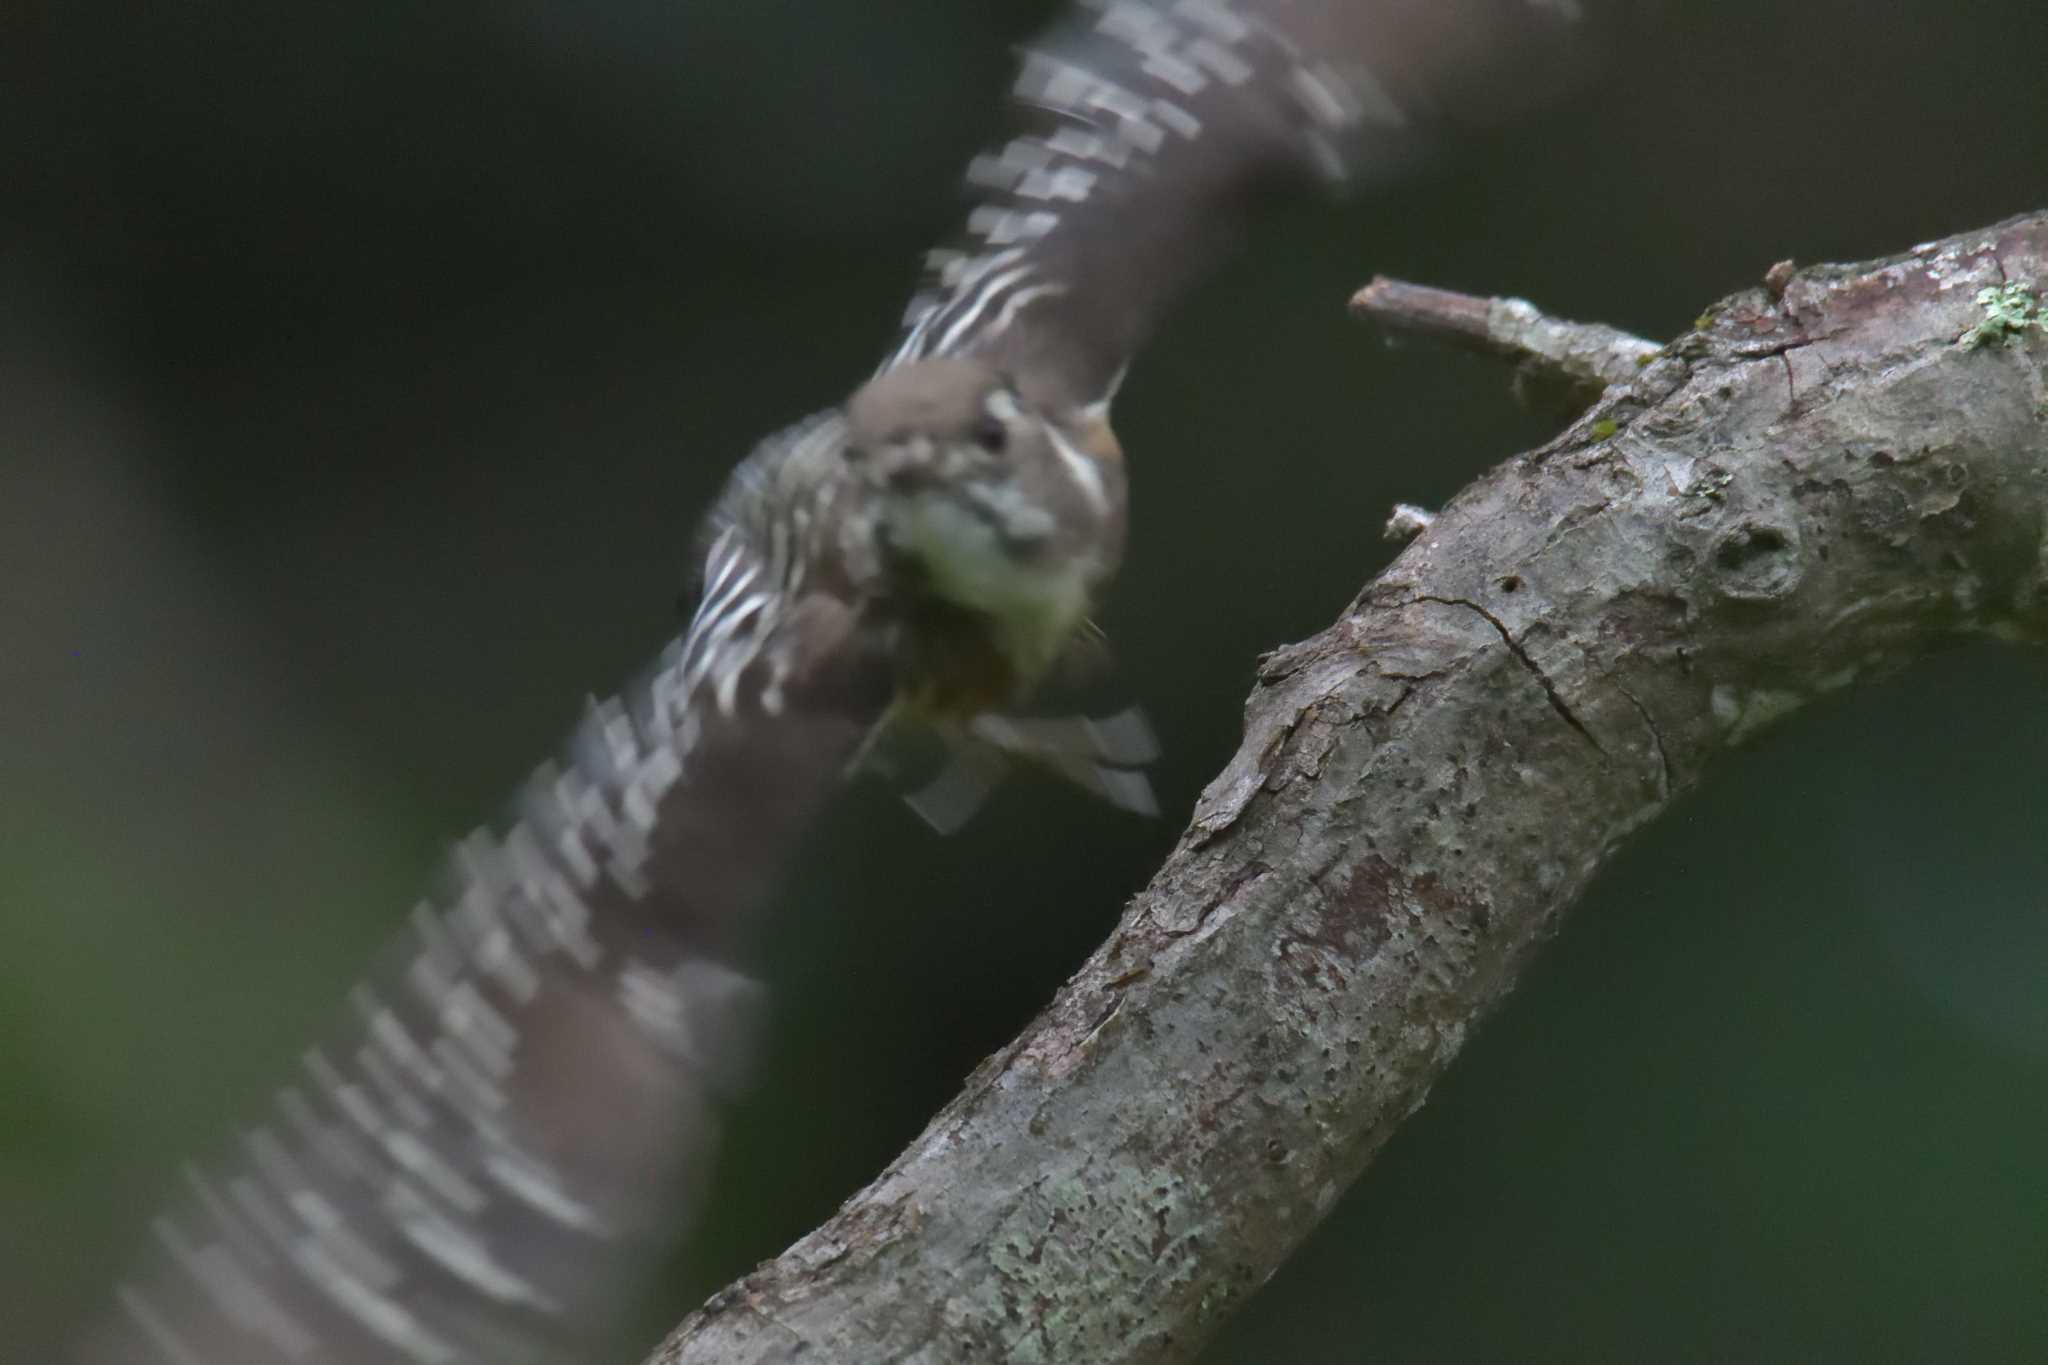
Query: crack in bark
x=1664 y=786
x=1557 y=701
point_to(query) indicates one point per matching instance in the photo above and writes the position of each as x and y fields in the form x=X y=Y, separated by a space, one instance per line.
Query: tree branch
x=1819 y=486
x=1577 y=352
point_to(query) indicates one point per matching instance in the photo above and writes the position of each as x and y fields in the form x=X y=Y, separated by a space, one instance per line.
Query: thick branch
x=1819 y=486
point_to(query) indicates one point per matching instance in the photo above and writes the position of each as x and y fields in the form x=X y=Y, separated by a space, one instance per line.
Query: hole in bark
x=1748 y=545
x=1756 y=560
x=1511 y=584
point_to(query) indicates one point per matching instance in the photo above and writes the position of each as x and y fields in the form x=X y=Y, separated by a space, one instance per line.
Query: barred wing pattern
x=1149 y=125
x=787 y=565
x=478 y=1169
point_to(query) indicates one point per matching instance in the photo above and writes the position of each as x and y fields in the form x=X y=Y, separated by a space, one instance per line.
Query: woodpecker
x=968 y=526
x=481 y=1162
x=964 y=509
x=948 y=524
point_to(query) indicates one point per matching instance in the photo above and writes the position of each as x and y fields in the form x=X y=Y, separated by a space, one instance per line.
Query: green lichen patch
x=2010 y=310
x=1058 y=1259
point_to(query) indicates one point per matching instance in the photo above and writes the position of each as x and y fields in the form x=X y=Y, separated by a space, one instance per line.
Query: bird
x=519 y=1107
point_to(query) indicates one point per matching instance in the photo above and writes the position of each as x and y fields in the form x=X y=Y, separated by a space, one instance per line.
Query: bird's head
x=987 y=503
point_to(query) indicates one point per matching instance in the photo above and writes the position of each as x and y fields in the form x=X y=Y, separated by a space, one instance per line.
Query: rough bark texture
x=1818 y=486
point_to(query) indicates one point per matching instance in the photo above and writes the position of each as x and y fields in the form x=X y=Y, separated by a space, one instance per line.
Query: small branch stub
x=1576 y=361
x=1407 y=522
x=1779 y=278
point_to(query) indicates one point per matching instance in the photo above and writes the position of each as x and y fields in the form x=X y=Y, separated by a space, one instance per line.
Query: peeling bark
x=1819 y=486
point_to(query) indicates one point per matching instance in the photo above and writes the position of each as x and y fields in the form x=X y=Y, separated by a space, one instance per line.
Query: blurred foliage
x=366 y=367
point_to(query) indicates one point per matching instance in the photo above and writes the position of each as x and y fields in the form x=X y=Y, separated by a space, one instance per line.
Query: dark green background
x=362 y=370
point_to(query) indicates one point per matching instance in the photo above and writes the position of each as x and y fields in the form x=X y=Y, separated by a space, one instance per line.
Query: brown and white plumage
x=1146 y=130
x=480 y=1161
x=475 y=1168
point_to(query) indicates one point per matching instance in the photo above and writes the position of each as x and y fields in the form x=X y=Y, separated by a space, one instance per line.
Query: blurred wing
x=1148 y=125
x=947 y=770
x=481 y=1165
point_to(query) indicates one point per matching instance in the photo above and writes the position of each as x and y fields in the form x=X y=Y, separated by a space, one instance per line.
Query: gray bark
x=1820 y=485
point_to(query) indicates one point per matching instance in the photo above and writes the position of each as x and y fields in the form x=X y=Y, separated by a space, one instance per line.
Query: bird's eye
x=991 y=435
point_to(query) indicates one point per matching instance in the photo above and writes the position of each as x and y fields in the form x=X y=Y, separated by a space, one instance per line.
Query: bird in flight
x=519 y=1107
